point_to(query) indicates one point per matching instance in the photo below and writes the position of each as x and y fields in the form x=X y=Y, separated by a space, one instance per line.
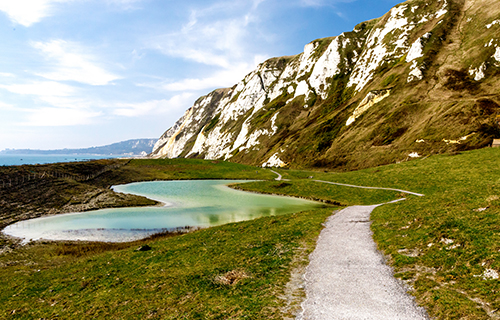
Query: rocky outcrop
x=424 y=71
x=371 y=99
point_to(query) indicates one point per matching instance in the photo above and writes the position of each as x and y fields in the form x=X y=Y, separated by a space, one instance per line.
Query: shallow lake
x=194 y=203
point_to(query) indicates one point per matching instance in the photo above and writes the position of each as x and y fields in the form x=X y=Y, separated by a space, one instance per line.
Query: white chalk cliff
x=337 y=92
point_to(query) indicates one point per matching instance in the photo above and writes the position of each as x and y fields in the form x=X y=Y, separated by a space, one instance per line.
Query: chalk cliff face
x=397 y=87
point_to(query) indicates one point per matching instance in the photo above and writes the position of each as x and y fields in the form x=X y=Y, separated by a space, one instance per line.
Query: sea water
x=195 y=203
x=20 y=159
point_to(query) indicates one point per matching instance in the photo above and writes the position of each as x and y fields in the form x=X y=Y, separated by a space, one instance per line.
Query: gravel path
x=279 y=178
x=347 y=277
x=361 y=187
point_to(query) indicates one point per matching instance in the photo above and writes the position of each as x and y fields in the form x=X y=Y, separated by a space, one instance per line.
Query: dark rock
x=143 y=248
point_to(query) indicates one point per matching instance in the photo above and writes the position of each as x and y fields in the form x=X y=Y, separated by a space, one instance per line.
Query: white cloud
x=219 y=79
x=220 y=35
x=71 y=63
x=224 y=36
x=60 y=104
x=216 y=44
x=322 y=3
x=28 y=12
x=41 y=88
x=6 y=106
x=181 y=101
x=56 y=117
x=125 y=4
x=73 y=102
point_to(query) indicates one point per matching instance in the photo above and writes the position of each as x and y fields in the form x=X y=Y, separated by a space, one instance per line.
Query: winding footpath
x=347 y=277
x=279 y=178
x=362 y=187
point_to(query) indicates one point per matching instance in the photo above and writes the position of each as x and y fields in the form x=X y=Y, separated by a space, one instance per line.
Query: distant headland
x=129 y=147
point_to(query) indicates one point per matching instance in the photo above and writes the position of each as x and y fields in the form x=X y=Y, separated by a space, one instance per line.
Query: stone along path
x=347 y=277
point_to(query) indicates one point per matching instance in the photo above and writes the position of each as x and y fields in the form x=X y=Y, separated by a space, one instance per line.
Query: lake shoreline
x=181 y=203
x=58 y=188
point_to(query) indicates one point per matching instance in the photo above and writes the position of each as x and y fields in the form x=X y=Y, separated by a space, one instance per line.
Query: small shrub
x=282 y=185
x=212 y=123
x=231 y=278
x=459 y=80
x=389 y=80
x=387 y=135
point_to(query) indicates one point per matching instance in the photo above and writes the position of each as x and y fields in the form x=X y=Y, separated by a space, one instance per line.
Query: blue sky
x=82 y=73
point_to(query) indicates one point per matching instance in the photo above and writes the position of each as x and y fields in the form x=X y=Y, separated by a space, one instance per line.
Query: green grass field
x=445 y=245
x=229 y=272
x=181 y=169
x=331 y=194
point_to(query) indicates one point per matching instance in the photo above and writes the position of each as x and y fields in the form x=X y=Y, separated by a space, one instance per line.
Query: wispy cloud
x=222 y=36
x=41 y=88
x=218 y=79
x=214 y=44
x=71 y=63
x=125 y=4
x=6 y=106
x=322 y=3
x=217 y=35
x=57 y=104
x=181 y=101
x=28 y=12
x=56 y=117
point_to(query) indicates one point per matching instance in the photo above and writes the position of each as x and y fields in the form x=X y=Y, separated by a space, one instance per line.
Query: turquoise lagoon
x=193 y=203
